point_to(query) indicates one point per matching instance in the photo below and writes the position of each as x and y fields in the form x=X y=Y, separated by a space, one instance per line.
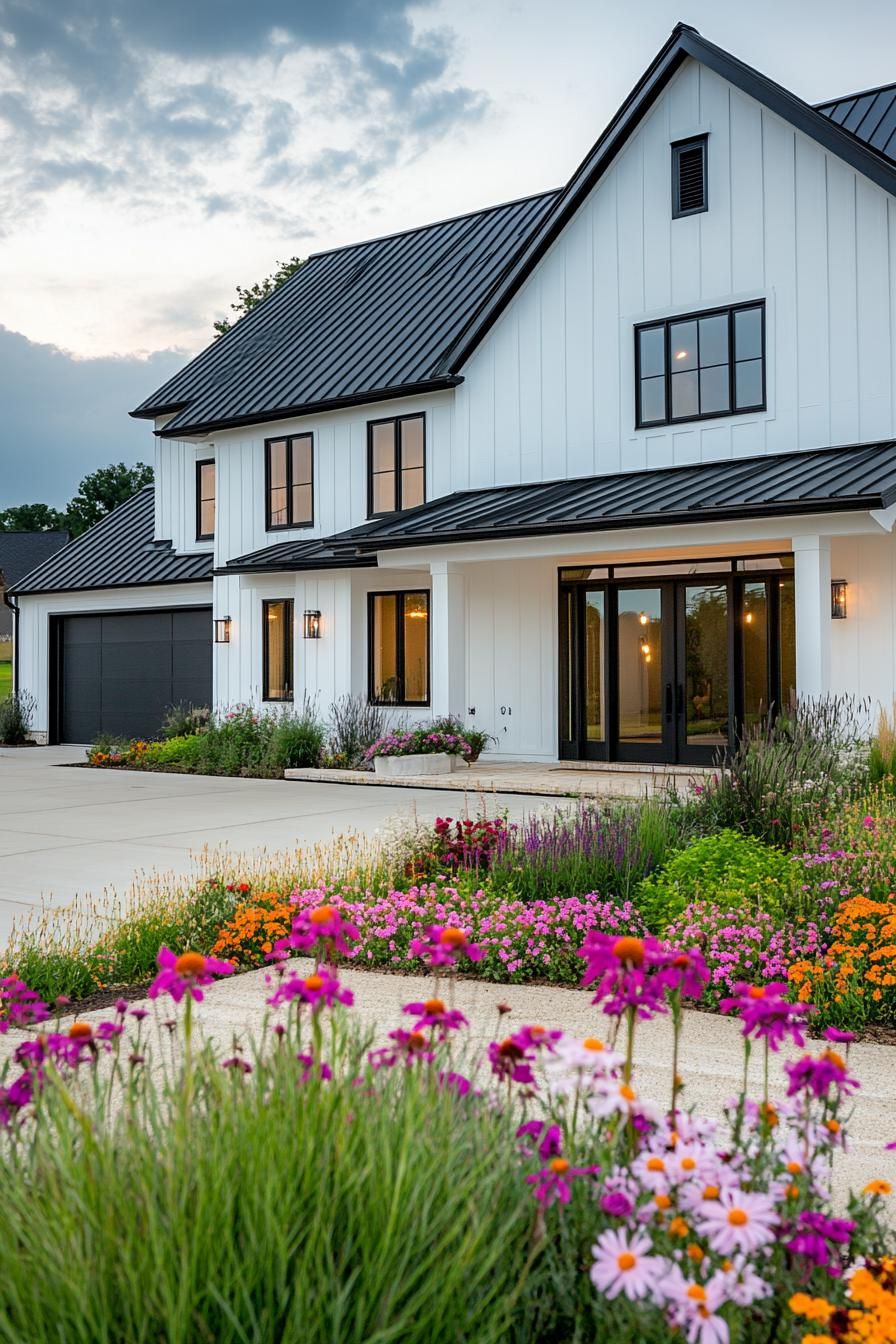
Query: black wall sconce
x=838 y=600
x=222 y=630
x=311 y=628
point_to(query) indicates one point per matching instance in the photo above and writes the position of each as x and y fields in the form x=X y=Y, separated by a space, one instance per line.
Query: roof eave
x=612 y=523
x=441 y=384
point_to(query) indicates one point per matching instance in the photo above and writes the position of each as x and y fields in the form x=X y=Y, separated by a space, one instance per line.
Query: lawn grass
x=5 y=680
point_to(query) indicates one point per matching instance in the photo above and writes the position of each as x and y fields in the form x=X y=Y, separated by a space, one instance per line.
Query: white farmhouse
x=608 y=471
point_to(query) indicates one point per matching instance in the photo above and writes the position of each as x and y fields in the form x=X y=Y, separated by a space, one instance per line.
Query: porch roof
x=286 y=555
x=827 y=480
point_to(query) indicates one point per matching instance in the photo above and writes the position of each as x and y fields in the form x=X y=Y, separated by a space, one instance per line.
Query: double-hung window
x=205 y=500
x=700 y=365
x=396 y=464
x=289 y=481
x=398 y=629
x=278 y=622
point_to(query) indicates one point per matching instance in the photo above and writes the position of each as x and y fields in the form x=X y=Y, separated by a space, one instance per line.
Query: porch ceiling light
x=838 y=599
x=311 y=625
x=222 y=630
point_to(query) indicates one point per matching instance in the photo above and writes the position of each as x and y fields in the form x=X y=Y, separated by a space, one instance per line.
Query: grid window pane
x=714 y=340
x=748 y=333
x=383 y=446
x=714 y=393
x=412 y=491
x=384 y=492
x=302 y=504
x=683 y=346
x=277 y=454
x=412 y=442
x=685 y=395
x=748 y=382
x=277 y=618
x=301 y=460
x=277 y=507
x=653 y=399
x=652 y=352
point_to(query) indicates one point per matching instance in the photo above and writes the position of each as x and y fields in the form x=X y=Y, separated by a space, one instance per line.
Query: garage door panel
x=137 y=627
x=121 y=672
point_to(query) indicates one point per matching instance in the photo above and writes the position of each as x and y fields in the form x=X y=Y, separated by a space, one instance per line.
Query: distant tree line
x=99 y=493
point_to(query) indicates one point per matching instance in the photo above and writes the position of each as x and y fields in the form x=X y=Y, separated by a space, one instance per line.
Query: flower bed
x=550 y=1200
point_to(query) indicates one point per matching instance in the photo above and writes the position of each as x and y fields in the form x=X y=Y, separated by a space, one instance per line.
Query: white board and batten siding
x=550 y=391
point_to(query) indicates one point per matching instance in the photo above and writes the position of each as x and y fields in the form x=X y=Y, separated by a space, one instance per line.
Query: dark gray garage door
x=119 y=673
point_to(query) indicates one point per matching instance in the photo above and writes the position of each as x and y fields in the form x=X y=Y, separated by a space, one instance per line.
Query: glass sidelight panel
x=755 y=644
x=787 y=641
x=639 y=630
x=595 y=642
x=706 y=664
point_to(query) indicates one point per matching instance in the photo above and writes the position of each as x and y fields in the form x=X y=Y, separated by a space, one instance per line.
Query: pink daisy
x=624 y=1264
x=738 y=1221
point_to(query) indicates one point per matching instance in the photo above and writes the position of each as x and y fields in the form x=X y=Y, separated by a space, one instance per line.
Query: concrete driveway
x=67 y=832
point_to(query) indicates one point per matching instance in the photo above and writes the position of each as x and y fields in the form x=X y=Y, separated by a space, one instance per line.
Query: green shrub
x=729 y=870
x=16 y=713
x=185 y=720
x=296 y=742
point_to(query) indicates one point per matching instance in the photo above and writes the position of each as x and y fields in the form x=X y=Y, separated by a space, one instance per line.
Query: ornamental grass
x=318 y=1185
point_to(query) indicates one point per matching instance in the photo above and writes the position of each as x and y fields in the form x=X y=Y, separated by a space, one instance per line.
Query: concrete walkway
x=67 y=832
x=711 y=1058
x=563 y=779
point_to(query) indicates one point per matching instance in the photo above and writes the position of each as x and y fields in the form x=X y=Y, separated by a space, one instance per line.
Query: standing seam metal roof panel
x=367 y=318
x=869 y=116
x=117 y=552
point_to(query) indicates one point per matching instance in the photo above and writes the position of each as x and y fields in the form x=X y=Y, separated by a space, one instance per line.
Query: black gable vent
x=689 y=177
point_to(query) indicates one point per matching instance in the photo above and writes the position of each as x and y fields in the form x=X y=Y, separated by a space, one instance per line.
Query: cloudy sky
x=156 y=153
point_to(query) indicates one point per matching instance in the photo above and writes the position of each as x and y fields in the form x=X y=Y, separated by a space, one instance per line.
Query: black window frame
x=397 y=421
x=678 y=146
x=290 y=524
x=401 y=594
x=200 y=463
x=666 y=323
x=287 y=699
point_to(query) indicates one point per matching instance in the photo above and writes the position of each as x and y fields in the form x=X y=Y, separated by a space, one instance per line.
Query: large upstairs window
x=396 y=464
x=700 y=365
x=289 y=481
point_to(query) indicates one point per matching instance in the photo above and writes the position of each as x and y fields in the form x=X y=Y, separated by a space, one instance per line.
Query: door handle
x=668 y=701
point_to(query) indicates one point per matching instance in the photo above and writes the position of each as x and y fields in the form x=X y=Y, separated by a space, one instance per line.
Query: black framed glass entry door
x=663 y=669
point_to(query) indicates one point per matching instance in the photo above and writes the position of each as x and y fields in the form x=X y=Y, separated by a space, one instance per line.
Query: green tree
x=101 y=491
x=31 y=518
x=247 y=299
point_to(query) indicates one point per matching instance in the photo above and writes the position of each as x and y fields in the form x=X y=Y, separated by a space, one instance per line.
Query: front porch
x=565 y=779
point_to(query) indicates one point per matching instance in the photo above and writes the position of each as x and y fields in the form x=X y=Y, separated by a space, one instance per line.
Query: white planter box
x=427 y=763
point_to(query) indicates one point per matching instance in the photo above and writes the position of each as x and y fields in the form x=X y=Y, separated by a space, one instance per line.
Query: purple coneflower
x=318 y=990
x=184 y=974
x=552 y=1183
x=444 y=944
x=19 y=1005
x=819 y=1075
x=767 y=1014
x=433 y=1013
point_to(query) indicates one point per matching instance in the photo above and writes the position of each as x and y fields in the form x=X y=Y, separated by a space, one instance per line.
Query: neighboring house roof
x=870 y=116
x=286 y=555
x=23 y=551
x=358 y=323
x=827 y=480
x=117 y=552
x=402 y=314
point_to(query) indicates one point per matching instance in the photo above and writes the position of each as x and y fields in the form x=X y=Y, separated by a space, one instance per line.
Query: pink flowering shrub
x=520 y=940
x=743 y=945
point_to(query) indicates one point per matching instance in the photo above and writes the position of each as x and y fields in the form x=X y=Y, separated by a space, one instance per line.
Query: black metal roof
x=870 y=116
x=318 y=554
x=117 y=552
x=358 y=323
x=402 y=314
x=23 y=551
x=827 y=480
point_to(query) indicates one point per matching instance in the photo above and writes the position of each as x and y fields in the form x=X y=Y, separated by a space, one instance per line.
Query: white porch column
x=448 y=626
x=812 y=581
